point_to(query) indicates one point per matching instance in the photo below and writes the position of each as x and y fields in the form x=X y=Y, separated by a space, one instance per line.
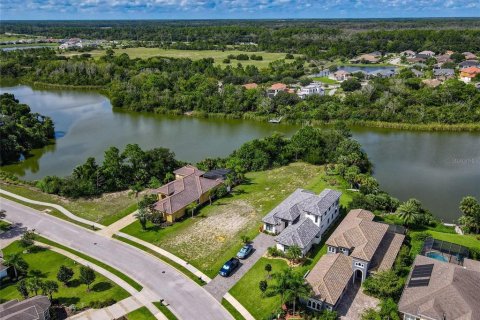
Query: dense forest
x=21 y=130
x=168 y=85
x=314 y=38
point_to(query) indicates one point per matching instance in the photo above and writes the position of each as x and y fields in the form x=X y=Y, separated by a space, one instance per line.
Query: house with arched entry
x=357 y=247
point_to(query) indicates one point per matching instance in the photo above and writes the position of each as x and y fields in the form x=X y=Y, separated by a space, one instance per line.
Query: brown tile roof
x=330 y=276
x=249 y=86
x=386 y=253
x=278 y=86
x=452 y=293
x=358 y=231
x=181 y=192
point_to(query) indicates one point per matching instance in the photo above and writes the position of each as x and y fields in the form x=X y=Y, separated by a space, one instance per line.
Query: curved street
x=186 y=298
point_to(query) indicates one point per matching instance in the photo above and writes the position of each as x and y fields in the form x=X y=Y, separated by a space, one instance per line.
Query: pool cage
x=444 y=251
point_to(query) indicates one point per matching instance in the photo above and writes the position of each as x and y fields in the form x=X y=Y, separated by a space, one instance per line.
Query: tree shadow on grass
x=74 y=283
x=38 y=274
x=101 y=286
x=68 y=300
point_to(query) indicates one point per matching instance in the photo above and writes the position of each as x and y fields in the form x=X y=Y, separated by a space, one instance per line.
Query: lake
x=438 y=168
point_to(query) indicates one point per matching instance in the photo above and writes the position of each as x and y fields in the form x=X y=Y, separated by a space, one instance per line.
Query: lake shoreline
x=425 y=127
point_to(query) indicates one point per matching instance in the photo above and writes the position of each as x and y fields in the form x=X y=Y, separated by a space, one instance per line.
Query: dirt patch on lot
x=206 y=237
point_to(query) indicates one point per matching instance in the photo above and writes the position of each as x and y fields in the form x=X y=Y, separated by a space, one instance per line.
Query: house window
x=268 y=227
x=316 y=219
x=359 y=264
x=314 y=305
x=309 y=304
x=331 y=249
x=409 y=317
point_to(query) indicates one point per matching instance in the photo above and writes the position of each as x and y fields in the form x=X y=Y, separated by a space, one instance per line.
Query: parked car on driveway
x=245 y=251
x=229 y=267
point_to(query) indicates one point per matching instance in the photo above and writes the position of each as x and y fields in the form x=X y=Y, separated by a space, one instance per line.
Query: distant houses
x=426 y=53
x=311 y=89
x=302 y=218
x=356 y=248
x=443 y=74
x=191 y=185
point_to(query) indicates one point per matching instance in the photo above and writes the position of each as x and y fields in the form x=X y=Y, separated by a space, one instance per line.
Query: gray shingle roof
x=443 y=72
x=28 y=309
x=299 y=234
x=302 y=201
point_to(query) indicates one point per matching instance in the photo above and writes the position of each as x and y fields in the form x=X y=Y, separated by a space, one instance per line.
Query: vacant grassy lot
x=140 y=314
x=326 y=80
x=217 y=55
x=45 y=264
x=214 y=234
x=104 y=210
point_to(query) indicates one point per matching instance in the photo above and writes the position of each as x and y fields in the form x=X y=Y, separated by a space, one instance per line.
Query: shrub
x=384 y=285
x=274 y=252
x=96 y=304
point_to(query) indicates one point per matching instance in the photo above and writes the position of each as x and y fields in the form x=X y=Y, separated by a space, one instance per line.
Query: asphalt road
x=186 y=298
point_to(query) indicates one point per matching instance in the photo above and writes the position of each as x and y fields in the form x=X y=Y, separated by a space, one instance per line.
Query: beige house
x=357 y=247
x=190 y=186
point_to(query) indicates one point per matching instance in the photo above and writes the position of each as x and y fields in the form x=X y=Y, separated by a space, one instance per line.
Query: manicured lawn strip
x=247 y=292
x=166 y=312
x=47 y=263
x=263 y=191
x=326 y=80
x=140 y=314
x=234 y=312
x=122 y=276
x=104 y=210
x=177 y=266
x=4 y=226
x=467 y=240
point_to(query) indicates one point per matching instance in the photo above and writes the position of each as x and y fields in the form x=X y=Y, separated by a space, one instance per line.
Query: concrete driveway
x=186 y=298
x=219 y=286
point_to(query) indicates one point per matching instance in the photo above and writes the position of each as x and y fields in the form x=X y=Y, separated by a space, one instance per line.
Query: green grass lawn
x=166 y=312
x=217 y=55
x=214 y=234
x=247 y=292
x=104 y=210
x=234 y=312
x=140 y=314
x=47 y=263
x=326 y=80
x=4 y=226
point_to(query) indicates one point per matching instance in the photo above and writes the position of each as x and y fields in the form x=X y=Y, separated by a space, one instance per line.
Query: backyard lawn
x=214 y=234
x=140 y=314
x=217 y=55
x=326 y=80
x=45 y=264
x=104 y=210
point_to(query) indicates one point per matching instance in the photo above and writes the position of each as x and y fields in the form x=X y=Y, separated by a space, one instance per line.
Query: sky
x=233 y=9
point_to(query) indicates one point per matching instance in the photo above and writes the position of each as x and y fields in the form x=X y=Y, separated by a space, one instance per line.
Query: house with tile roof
x=302 y=218
x=468 y=64
x=467 y=74
x=341 y=75
x=34 y=308
x=357 y=247
x=275 y=88
x=469 y=55
x=250 y=86
x=439 y=290
x=190 y=186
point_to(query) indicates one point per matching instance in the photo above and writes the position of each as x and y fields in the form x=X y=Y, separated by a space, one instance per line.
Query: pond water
x=367 y=69
x=437 y=168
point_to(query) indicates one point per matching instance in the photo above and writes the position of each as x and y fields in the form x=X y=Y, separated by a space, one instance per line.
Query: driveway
x=185 y=297
x=354 y=302
x=219 y=286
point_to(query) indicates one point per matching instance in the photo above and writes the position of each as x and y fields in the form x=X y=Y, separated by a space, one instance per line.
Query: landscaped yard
x=214 y=234
x=326 y=80
x=217 y=55
x=45 y=264
x=140 y=314
x=104 y=210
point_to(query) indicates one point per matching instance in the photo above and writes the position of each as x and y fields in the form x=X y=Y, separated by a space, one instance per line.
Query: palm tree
x=294 y=253
x=49 y=287
x=142 y=215
x=34 y=284
x=16 y=262
x=409 y=211
x=281 y=283
x=297 y=288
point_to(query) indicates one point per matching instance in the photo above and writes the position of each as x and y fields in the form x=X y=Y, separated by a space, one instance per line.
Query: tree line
x=21 y=130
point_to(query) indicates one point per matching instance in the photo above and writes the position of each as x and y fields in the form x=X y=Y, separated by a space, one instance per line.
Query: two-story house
x=302 y=218
x=311 y=89
x=358 y=246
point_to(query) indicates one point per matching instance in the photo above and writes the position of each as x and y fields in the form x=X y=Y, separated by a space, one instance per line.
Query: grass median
x=122 y=276
x=166 y=312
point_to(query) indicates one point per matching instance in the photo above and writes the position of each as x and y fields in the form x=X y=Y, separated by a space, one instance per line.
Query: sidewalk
x=118 y=225
x=56 y=206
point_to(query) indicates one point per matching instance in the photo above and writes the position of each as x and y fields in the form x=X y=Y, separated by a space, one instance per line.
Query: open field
x=104 y=210
x=45 y=264
x=140 y=314
x=217 y=55
x=214 y=235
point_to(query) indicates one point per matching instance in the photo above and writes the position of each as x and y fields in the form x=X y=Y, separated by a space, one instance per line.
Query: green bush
x=96 y=304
